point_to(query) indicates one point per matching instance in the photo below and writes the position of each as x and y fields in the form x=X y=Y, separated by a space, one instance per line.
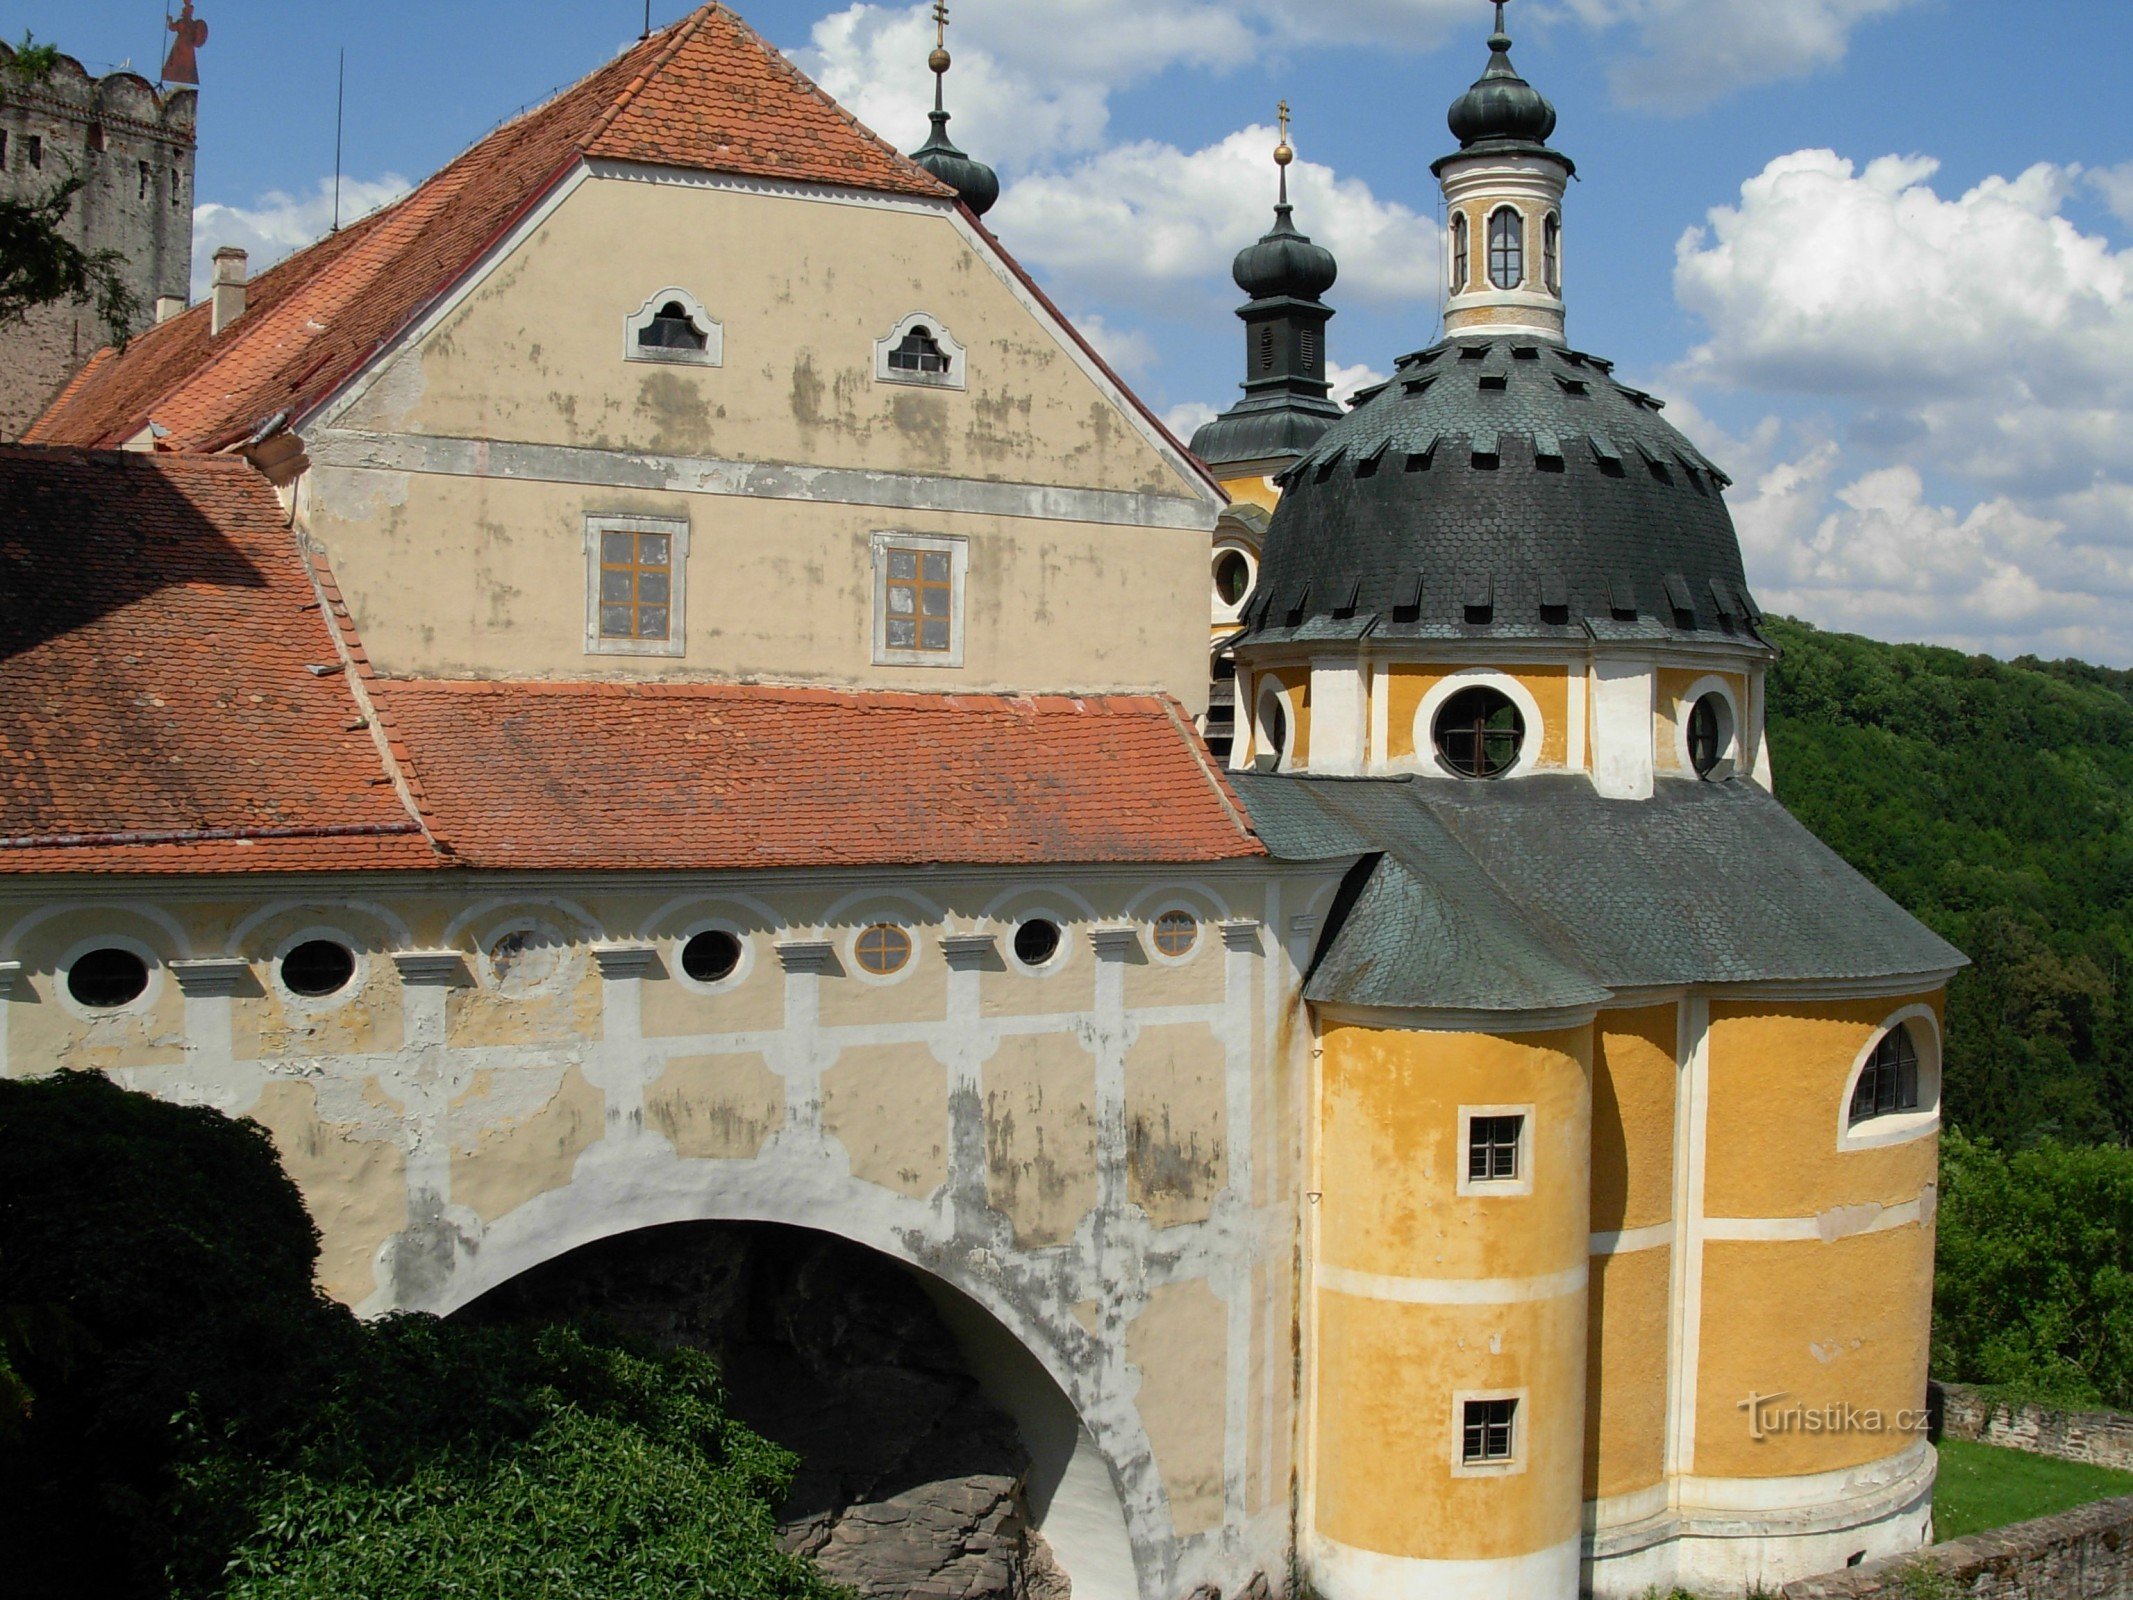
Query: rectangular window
x=3 y=149
x=147 y=173
x=96 y=138
x=1489 y=1433
x=1492 y=1149
x=918 y=600
x=37 y=151
x=635 y=568
x=177 y=186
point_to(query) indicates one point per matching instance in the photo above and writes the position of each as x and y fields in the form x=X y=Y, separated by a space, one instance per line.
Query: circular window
x=1036 y=942
x=106 y=979
x=1480 y=732
x=1273 y=729
x=712 y=956
x=1233 y=577
x=1710 y=733
x=884 y=949
x=318 y=967
x=1176 y=932
x=525 y=958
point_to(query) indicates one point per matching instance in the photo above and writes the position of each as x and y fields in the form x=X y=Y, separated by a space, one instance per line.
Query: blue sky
x=1919 y=369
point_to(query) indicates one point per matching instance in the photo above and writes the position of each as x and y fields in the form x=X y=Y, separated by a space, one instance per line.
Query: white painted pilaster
x=10 y=980
x=799 y=1056
x=1116 y=944
x=208 y=984
x=619 y=1061
x=1622 y=766
x=1692 y=1093
x=1339 y=718
x=968 y=1045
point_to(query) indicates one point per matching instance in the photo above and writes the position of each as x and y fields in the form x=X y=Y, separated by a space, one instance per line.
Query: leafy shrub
x=2034 y=1290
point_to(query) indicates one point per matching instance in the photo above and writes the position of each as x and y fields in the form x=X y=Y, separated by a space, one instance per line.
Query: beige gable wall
x=469 y=558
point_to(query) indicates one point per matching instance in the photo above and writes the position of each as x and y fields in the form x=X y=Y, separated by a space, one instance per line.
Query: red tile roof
x=673 y=777
x=707 y=93
x=157 y=708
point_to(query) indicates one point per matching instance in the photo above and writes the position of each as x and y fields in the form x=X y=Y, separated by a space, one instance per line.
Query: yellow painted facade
x=1408 y=684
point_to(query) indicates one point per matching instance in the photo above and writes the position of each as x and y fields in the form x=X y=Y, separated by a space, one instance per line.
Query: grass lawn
x=1983 y=1487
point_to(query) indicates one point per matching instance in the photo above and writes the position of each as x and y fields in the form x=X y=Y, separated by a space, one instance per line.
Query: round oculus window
x=712 y=956
x=525 y=958
x=1480 y=732
x=1710 y=733
x=1233 y=577
x=104 y=980
x=317 y=968
x=883 y=950
x=1273 y=729
x=1036 y=941
x=1176 y=932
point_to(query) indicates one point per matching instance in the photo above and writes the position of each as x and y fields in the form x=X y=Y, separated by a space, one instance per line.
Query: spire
x=977 y=183
x=1285 y=406
x=1501 y=106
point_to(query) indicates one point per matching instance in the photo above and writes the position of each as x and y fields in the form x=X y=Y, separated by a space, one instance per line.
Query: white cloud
x=1347 y=381
x=1189 y=418
x=1693 y=53
x=1152 y=223
x=1979 y=343
x=278 y=225
x=1130 y=352
x=2115 y=184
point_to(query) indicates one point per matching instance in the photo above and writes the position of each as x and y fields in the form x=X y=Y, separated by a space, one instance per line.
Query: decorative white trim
x=1495 y=1188
x=945 y=341
x=1843 y=1222
x=1512 y=1468
x=1692 y=1103
x=621 y=960
x=559 y=979
x=1428 y=762
x=429 y=969
x=676 y=530
x=1895 y=984
x=1263 y=759
x=141 y=1003
x=969 y=952
x=210 y=977
x=1904 y=1126
x=316 y=1004
x=1629 y=1241
x=1344 y=1572
x=741 y=968
x=1199 y=943
x=713 y=353
x=1734 y=740
x=1228 y=544
x=957 y=549
x=1451 y=1291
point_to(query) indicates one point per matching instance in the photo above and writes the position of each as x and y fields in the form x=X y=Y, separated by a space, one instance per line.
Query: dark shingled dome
x=1501 y=105
x=1497 y=488
x=1285 y=263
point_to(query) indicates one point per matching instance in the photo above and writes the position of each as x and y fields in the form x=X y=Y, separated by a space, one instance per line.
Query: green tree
x=39 y=265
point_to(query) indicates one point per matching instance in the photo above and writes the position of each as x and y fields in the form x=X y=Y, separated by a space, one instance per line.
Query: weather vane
x=1283 y=154
x=183 y=66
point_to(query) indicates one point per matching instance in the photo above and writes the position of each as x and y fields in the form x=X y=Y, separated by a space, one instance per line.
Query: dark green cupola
x=1287 y=401
x=975 y=182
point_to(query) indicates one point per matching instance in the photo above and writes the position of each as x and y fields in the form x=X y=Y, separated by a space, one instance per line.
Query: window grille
x=921 y=598
x=672 y=329
x=1480 y=732
x=636 y=585
x=1461 y=249
x=919 y=352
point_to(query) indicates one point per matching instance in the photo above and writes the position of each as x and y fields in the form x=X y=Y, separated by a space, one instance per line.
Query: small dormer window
x=673 y=326
x=919 y=350
x=1507 y=249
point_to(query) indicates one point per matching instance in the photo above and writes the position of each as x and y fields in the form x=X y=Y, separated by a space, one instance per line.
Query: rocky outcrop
x=910 y=1480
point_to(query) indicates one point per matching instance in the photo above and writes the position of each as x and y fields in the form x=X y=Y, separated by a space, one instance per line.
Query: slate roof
x=158 y=711
x=678 y=777
x=1503 y=488
x=1536 y=893
x=706 y=94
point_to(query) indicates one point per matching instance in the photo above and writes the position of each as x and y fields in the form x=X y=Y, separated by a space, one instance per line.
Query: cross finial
x=940 y=21
x=1283 y=153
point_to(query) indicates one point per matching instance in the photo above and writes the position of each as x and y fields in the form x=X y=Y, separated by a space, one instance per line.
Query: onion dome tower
x=977 y=183
x=1502 y=497
x=1286 y=406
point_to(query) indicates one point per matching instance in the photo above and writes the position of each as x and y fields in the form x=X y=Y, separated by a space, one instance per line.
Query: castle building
x=132 y=148
x=653 y=680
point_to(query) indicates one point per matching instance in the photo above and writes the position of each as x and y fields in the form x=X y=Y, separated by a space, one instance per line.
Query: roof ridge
x=682 y=31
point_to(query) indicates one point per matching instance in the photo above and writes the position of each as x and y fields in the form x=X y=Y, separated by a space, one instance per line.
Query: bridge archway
x=812 y=1326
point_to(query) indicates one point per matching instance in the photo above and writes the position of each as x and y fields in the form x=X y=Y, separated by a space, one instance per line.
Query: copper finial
x=1284 y=153
x=940 y=60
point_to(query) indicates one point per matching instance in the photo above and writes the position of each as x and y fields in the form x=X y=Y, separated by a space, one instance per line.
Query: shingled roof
x=170 y=697
x=706 y=94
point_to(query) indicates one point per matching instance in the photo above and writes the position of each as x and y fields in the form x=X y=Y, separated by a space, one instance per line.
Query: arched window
x=1710 y=733
x=919 y=352
x=673 y=325
x=1462 y=246
x=1233 y=577
x=1507 y=249
x=1272 y=748
x=1480 y=733
x=1552 y=252
x=672 y=328
x=1889 y=1083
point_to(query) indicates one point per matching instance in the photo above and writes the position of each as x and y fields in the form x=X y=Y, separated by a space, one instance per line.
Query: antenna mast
x=340 y=102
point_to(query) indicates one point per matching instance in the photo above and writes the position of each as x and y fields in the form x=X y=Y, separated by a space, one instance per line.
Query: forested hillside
x=1995 y=800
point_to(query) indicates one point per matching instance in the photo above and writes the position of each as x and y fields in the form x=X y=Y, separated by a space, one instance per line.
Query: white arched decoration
x=1270 y=688
x=1730 y=761
x=1425 y=726
x=943 y=340
x=1903 y=1126
x=713 y=354
x=1229 y=613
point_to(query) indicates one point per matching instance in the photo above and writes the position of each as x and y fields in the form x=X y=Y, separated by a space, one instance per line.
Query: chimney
x=168 y=306
x=229 y=287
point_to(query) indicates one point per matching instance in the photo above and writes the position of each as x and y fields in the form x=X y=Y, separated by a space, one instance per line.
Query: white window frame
x=1899 y=1127
x=1224 y=612
x=1730 y=764
x=1496 y=1188
x=1520 y=1420
x=953 y=378
x=1425 y=729
x=677 y=531
x=957 y=549
x=1284 y=759
x=713 y=353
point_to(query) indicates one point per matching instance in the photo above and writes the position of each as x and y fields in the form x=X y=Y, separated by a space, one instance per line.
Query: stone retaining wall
x=2083 y=1554
x=2101 y=1438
